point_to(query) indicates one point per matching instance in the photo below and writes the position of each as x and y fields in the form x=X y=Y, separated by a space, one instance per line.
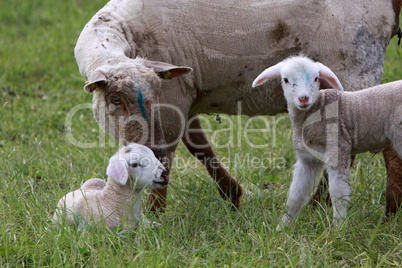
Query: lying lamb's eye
x=316 y=79
x=115 y=100
x=134 y=165
x=286 y=80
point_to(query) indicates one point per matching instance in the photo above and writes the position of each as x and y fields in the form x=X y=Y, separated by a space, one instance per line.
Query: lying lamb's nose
x=165 y=176
x=304 y=99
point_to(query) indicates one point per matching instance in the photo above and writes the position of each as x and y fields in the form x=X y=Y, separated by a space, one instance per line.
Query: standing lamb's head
x=300 y=78
x=137 y=165
x=126 y=98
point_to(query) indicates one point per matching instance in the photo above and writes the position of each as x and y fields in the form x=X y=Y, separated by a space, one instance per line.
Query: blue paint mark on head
x=141 y=103
x=306 y=75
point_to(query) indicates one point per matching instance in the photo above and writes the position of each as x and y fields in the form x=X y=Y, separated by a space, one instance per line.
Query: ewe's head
x=300 y=79
x=126 y=98
x=136 y=165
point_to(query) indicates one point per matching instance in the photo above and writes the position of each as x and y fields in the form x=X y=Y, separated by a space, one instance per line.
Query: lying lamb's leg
x=197 y=143
x=340 y=191
x=305 y=174
x=394 y=180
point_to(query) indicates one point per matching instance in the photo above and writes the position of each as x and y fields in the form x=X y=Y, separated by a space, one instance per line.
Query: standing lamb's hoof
x=285 y=223
x=155 y=225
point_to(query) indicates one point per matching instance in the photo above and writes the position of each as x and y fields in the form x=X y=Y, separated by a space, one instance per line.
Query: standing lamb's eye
x=285 y=80
x=316 y=79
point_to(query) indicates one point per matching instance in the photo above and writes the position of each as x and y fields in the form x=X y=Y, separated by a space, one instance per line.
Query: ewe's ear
x=168 y=71
x=270 y=73
x=97 y=80
x=117 y=170
x=328 y=75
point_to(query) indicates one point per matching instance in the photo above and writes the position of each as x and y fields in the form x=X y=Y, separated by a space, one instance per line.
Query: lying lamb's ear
x=117 y=170
x=328 y=75
x=271 y=72
x=97 y=80
x=168 y=71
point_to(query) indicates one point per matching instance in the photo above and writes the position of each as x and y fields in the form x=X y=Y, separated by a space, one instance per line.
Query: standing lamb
x=130 y=45
x=118 y=201
x=331 y=126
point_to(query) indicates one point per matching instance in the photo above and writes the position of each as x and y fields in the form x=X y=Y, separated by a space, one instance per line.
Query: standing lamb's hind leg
x=305 y=174
x=197 y=143
x=339 y=191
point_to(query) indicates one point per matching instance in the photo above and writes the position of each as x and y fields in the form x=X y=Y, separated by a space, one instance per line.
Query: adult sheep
x=130 y=45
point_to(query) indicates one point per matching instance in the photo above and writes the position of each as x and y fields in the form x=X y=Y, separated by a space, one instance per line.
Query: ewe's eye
x=115 y=100
x=285 y=80
x=316 y=79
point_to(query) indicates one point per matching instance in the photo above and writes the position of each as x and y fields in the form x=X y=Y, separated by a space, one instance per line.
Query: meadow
x=40 y=84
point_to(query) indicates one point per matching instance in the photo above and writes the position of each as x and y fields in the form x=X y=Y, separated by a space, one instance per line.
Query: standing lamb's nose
x=304 y=99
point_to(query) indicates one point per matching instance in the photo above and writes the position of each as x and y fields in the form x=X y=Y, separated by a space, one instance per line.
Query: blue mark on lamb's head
x=306 y=75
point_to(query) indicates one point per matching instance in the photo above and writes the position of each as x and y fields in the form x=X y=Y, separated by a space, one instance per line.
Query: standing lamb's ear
x=328 y=75
x=97 y=80
x=117 y=170
x=168 y=71
x=269 y=73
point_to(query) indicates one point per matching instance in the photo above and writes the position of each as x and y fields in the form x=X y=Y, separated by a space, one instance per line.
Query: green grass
x=40 y=83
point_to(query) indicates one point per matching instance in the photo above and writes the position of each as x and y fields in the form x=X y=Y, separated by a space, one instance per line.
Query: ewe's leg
x=157 y=198
x=197 y=143
x=305 y=174
x=340 y=191
x=394 y=180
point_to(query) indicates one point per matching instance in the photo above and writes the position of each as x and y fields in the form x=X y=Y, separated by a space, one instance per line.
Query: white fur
x=117 y=201
x=330 y=127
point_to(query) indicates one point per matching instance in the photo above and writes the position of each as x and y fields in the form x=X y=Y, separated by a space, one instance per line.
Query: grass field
x=39 y=85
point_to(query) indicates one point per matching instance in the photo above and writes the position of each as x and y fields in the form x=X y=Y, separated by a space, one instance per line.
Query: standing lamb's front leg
x=305 y=174
x=322 y=188
x=197 y=143
x=339 y=191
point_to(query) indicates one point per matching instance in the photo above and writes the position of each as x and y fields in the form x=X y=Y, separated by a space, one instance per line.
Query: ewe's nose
x=304 y=99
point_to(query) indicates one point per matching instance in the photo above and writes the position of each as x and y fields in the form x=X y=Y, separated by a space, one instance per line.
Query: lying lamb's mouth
x=163 y=180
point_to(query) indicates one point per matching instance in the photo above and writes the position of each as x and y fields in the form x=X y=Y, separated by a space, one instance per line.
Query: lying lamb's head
x=300 y=78
x=137 y=165
x=126 y=98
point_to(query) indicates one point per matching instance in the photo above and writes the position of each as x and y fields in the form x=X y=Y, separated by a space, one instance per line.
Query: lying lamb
x=116 y=201
x=330 y=127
